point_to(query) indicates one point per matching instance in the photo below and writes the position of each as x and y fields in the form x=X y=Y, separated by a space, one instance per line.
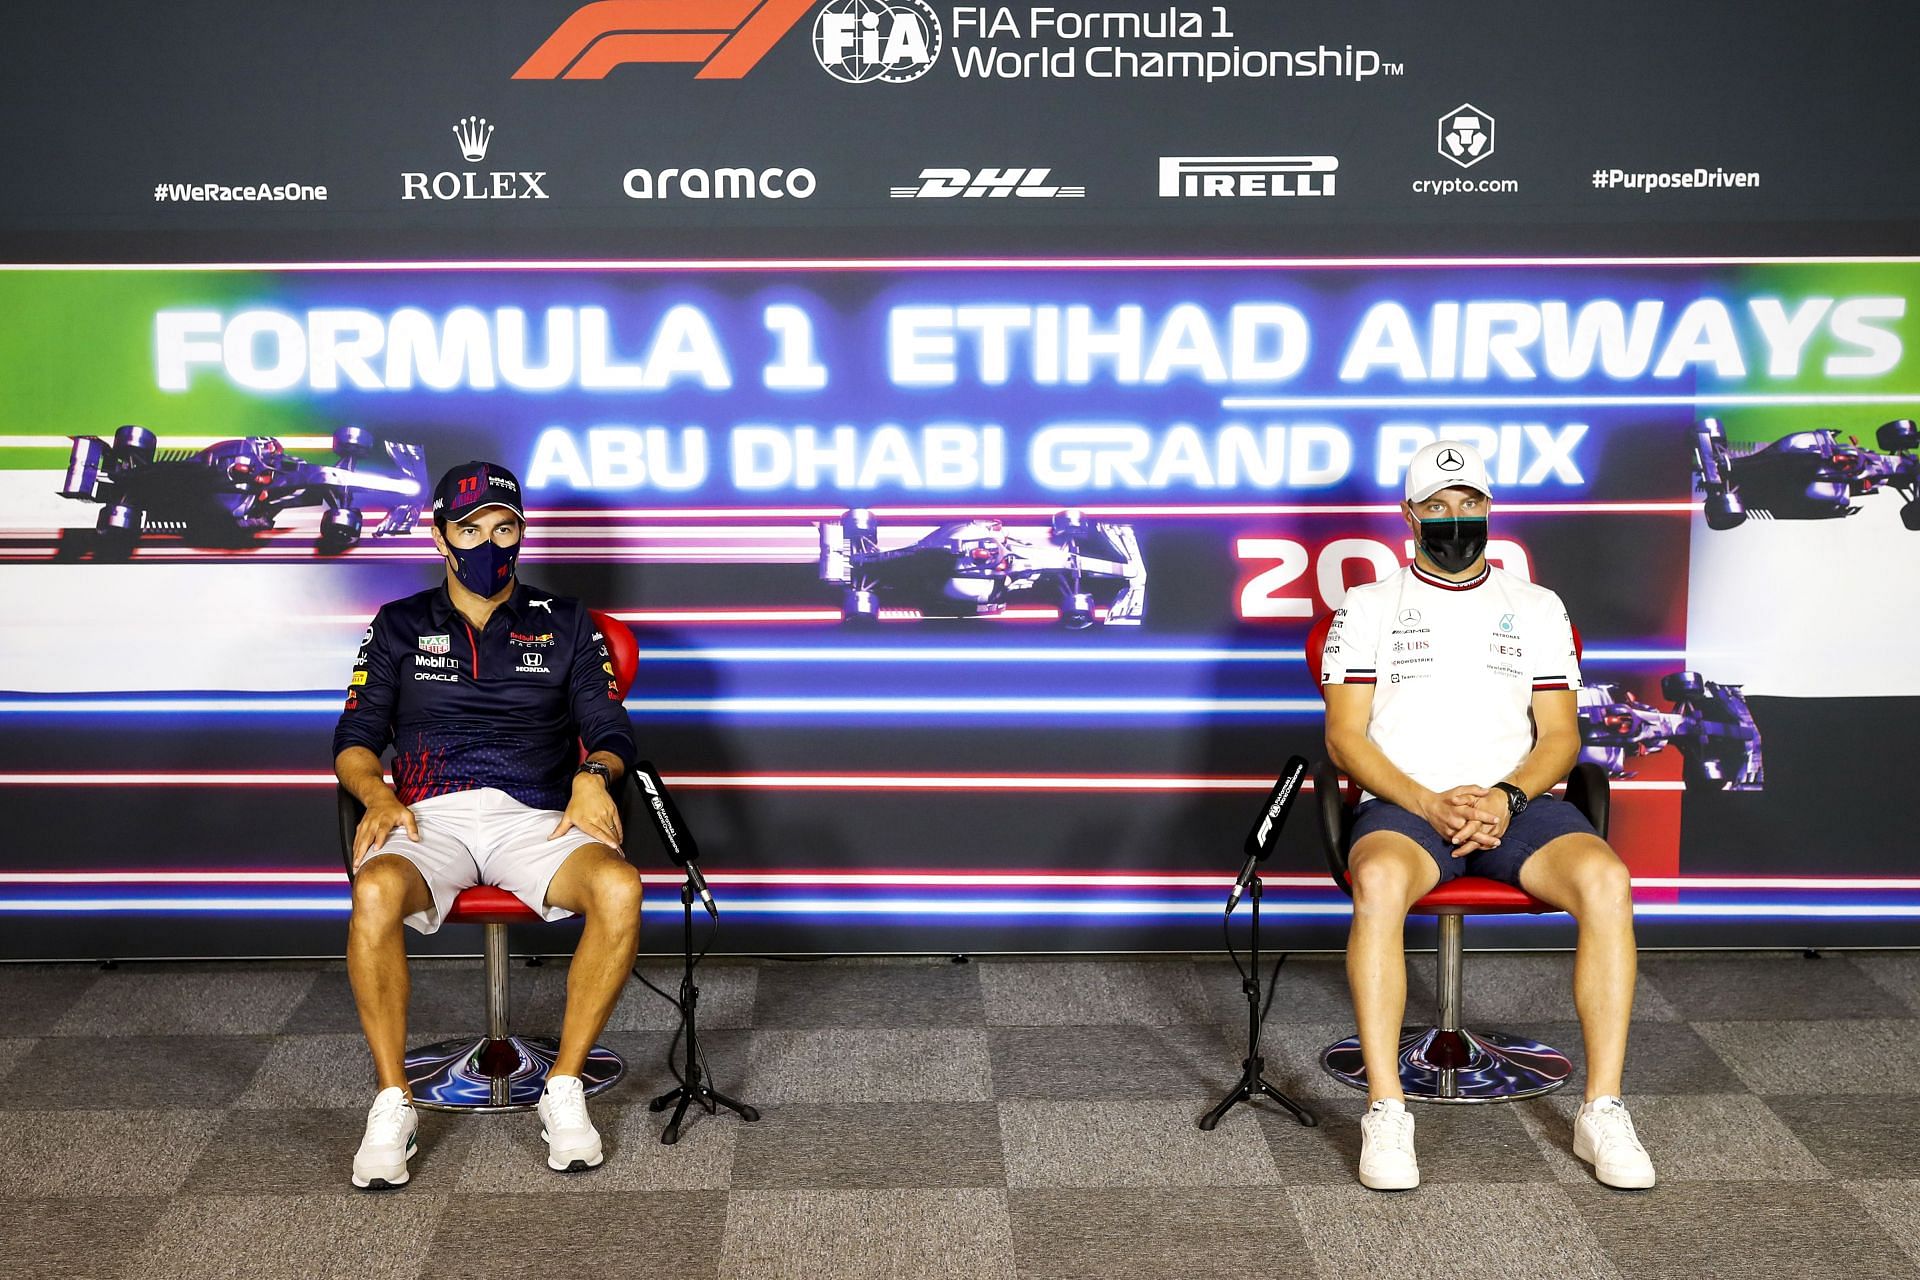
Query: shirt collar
x=441 y=609
x=1447 y=584
x=515 y=605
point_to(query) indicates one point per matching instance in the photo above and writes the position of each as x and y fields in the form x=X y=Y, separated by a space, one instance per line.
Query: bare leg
x=1389 y=872
x=1582 y=875
x=386 y=891
x=602 y=886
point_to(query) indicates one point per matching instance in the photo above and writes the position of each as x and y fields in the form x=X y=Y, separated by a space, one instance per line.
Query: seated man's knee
x=616 y=891
x=380 y=890
x=1381 y=883
x=1604 y=884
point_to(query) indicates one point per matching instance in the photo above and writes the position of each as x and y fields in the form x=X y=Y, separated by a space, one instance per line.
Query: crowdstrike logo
x=474 y=135
x=944 y=184
x=725 y=38
x=860 y=41
x=1190 y=177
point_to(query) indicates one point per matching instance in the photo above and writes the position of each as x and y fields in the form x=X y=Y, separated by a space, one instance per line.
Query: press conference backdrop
x=1130 y=318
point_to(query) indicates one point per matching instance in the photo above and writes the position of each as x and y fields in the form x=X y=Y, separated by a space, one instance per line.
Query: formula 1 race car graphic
x=1809 y=475
x=1710 y=724
x=974 y=568
x=229 y=491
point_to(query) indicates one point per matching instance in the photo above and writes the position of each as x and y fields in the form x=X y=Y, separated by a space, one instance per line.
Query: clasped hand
x=1469 y=818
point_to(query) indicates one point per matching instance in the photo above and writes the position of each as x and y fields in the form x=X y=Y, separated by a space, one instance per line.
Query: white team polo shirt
x=1455 y=666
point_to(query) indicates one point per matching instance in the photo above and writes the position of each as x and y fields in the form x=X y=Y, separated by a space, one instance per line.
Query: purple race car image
x=232 y=490
x=1710 y=723
x=975 y=568
x=1809 y=475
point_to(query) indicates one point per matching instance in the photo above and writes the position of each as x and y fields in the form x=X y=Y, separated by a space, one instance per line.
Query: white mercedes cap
x=1443 y=464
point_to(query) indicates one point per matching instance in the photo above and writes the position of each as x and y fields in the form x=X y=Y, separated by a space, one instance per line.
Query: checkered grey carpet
x=1002 y=1118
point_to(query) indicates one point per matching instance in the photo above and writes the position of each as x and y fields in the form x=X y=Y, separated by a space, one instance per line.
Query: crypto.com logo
x=727 y=38
x=1466 y=135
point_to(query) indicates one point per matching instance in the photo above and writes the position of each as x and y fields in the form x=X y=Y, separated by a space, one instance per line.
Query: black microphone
x=674 y=834
x=1266 y=832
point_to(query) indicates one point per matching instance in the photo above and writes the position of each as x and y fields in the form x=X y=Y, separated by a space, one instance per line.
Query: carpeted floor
x=1002 y=1118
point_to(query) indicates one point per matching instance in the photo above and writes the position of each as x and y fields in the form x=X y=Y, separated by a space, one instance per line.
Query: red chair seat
x=1479 y=896
x=486 y=904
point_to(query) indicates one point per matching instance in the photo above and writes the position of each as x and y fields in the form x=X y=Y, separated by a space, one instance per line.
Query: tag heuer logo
x=435 y=644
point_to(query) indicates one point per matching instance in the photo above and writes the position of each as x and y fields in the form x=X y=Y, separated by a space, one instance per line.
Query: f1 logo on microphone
x=727 y=38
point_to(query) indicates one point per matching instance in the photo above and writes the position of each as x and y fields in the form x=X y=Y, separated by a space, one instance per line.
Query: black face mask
x=486 y=568
x=1454 y=545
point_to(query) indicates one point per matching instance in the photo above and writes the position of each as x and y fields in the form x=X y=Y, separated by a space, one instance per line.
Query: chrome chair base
x=479 y=1073
x=1459 y=1066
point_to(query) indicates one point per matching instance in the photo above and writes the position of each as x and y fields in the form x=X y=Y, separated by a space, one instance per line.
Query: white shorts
x=482 y=837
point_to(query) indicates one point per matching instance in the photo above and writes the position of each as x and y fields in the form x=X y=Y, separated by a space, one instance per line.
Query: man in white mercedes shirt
x=1450 y=700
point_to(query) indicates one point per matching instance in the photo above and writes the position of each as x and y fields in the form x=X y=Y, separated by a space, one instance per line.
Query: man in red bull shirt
x=486 y=688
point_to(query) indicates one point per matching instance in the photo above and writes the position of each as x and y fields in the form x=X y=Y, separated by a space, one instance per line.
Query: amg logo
x=1210 y=176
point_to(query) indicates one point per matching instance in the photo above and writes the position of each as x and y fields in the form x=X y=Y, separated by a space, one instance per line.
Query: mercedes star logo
x=1450 y=460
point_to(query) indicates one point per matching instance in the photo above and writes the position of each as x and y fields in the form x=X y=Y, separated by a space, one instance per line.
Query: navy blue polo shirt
x=503 y=707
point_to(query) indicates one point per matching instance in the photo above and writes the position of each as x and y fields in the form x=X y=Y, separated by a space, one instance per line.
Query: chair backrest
x=622 y=647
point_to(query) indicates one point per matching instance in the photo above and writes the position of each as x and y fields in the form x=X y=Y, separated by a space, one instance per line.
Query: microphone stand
x=693 y=1086
x=1252 y=1083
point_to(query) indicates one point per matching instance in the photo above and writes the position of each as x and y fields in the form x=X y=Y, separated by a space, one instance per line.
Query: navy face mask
x=1454 y=544
x=485 y=569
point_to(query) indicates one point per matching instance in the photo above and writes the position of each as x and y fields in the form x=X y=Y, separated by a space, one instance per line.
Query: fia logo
x=859 y=41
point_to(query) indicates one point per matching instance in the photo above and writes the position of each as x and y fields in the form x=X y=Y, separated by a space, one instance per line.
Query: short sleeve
x=1352 y=642
x=372 y=690
x=1558 y=663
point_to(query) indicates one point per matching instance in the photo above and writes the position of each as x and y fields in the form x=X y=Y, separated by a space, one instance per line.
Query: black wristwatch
x=1516 y=799
x=598 y=770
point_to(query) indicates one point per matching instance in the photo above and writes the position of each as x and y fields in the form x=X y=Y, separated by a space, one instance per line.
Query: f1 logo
x=726 y=37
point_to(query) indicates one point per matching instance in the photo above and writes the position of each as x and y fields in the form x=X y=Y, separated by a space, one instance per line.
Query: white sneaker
x=1386 y=1148
x=573 y=1144
x=392 y=1134
x=1603 y=1136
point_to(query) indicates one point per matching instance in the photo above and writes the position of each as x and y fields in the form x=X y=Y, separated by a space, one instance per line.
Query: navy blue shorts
x=1546 y=819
